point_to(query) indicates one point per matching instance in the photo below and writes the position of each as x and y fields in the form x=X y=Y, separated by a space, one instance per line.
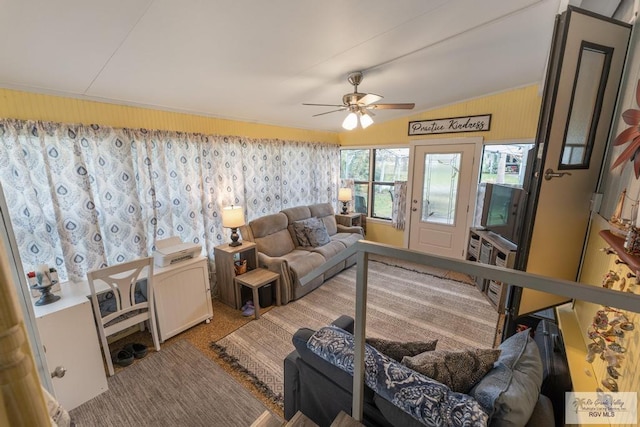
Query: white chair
x=124 y=282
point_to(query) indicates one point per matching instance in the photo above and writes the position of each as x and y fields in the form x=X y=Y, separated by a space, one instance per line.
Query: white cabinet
x=68 y=334
x=182 y=296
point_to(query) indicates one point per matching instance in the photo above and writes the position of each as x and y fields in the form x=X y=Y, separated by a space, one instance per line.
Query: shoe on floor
x=249 y=311
x=138 y=350
x=123 y=358
x=248 y=304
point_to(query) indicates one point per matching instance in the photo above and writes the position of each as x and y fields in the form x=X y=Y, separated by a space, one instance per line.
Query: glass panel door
x=440 y=188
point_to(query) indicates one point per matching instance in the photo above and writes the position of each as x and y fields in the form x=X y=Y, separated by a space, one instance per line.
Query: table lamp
x=233 y=217
x=344 y=195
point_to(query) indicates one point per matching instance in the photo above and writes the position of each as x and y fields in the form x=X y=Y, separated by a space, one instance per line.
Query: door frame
x=413 y=145
x=543 y=135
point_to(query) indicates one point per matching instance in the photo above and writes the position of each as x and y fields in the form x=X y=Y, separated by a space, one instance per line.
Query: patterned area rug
x=403 y=305
x=177 y=386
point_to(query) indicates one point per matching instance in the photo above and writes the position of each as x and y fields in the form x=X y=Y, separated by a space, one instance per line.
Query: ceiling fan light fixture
x=365 y=120
x=351 y=121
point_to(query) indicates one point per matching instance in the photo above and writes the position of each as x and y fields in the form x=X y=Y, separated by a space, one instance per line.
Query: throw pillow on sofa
x=397 y=349
x=509 y=391
x=458 y=370
x=316 y=232
x=425 y=399
x=299 y=232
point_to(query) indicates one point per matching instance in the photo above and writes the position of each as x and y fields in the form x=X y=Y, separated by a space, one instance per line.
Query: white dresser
x=70 y=340
x=182 y=296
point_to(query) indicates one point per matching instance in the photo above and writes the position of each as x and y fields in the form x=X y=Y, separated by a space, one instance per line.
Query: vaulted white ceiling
x=258 y=61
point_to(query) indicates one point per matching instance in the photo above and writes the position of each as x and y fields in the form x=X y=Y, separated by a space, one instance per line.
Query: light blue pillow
x=316 y=232
x=509 y=392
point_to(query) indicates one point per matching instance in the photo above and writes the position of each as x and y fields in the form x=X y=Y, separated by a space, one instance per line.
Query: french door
x=440 y=194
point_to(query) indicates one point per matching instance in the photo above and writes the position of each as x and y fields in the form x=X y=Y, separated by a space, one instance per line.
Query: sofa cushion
x=301 y=262
x=324 y=211
x=347 y=238
x=268 y=224
x=321 y=209
x=424 y=399
x=458 y=370
x=510 y=390
x=331 y=224
x=276 y=244
x=297 y=213
x=316 y=232
x=329 y=250
x=397 y=349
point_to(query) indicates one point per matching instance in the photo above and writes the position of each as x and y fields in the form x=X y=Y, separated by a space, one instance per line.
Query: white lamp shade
x=344 y=195
x=351 y=121
x=232 y=216
x=365 y=120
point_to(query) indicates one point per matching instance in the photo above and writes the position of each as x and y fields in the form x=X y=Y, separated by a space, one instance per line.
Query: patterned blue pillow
x=316 y=232
x=426 y=400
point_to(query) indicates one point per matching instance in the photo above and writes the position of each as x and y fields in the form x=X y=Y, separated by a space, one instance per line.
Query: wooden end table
x=255 y=279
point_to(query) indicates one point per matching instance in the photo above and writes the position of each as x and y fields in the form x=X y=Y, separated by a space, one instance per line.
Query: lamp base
x=46 y=297
x=234 y=238
x=344 y=208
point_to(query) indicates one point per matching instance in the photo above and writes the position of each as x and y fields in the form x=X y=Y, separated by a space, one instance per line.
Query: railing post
x=357 y=406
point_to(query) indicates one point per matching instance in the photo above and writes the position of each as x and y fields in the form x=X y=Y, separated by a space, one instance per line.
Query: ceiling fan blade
x=327 y=112
x=324 y=105
x=369 y=99
x=406 y=106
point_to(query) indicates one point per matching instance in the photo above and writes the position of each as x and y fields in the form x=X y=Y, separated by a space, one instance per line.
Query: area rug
x=178 y=386
x=403 y=305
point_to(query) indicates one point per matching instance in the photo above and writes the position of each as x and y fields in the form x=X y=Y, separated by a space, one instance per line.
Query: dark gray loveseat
x=321 y=390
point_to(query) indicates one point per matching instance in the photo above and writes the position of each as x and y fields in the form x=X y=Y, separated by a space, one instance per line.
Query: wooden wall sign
x=451 y=125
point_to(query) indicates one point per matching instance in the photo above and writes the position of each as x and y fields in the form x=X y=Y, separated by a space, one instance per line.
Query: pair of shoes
x=123 y=358
x=138 y=350
x=248 y=309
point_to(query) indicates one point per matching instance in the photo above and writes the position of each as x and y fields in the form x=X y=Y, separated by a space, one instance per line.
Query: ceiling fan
x=360 y=105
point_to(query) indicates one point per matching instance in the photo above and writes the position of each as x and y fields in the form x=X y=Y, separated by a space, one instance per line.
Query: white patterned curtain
x=398 y=209
x=81 y=197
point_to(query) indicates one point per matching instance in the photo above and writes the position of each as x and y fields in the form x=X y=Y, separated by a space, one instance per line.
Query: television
x=502 y=210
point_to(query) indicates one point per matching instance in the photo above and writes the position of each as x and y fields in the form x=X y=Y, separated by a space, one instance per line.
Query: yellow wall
x=514 y=116
x=30 y=106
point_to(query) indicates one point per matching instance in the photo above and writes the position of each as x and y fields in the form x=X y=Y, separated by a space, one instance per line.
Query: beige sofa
x=283 y=248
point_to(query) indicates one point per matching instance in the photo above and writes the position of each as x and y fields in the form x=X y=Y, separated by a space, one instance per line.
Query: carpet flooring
x=403 y=304
x=178 y=386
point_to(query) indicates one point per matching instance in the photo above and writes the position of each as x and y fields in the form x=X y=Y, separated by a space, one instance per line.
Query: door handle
x=549 y=173
x=58 y=372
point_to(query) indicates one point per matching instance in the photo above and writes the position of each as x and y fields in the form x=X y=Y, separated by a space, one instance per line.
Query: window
x=374 y=172
x=504 y=163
